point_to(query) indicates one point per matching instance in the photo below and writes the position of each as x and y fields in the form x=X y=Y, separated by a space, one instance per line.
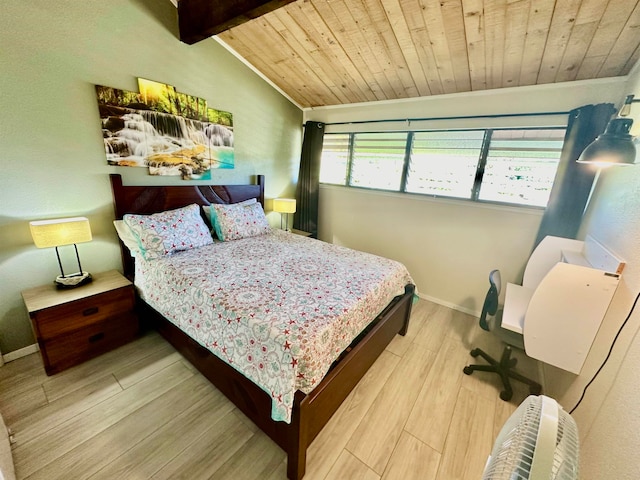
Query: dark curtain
x=573 y=182
x=308 y=189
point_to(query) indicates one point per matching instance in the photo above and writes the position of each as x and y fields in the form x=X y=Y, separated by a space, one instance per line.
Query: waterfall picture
x=169 y=132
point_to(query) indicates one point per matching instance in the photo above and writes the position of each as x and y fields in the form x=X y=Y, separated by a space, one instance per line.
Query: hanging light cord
x=584 y=391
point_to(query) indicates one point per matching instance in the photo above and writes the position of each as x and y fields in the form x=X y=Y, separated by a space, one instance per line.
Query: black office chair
x=491 y=320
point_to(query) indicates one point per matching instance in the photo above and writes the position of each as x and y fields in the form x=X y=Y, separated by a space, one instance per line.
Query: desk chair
x=490 y=320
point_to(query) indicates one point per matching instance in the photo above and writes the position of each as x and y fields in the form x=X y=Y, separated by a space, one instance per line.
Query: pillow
x=212 y=217
x=237 y=221
x=169 y=232
x=127 y=237
x=208 y=211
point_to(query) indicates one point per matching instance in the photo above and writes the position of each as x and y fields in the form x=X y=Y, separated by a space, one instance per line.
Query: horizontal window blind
x=515 y=166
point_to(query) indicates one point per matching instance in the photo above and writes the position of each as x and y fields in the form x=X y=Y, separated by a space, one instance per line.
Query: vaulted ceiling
x=330 y=52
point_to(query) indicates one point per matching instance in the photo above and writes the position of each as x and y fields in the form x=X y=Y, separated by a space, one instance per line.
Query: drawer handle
x=95 y=338
x=90 y=311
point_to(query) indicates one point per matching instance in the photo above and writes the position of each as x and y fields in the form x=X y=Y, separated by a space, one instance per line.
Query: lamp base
x=73 y=280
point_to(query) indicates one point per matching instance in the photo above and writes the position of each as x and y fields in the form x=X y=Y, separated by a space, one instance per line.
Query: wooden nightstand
x=301 y=232
x=74 y=325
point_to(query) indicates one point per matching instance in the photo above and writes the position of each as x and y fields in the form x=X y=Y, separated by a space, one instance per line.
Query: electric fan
x=539 y=441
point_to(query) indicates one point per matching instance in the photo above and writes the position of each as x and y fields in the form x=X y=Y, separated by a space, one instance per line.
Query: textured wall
x=608 y=416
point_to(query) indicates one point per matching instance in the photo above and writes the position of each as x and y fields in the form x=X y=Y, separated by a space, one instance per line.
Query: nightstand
x=300 y=232
x=74 y=325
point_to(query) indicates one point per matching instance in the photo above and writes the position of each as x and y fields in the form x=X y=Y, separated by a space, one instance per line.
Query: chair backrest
x=490 y=306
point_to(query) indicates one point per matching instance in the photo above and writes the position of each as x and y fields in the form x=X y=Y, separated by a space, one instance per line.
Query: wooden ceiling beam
x=200 y=19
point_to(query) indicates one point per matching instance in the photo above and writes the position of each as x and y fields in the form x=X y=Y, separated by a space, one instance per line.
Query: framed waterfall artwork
x=168 y=132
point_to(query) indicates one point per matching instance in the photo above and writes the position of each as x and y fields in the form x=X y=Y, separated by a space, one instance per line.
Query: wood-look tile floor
x=143 y=412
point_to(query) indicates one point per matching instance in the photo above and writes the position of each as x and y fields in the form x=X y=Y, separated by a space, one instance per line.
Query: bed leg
x=296 y=465
x=409 y=291
x=297 y=451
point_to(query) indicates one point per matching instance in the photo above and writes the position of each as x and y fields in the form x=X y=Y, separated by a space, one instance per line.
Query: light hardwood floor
x=143 y=412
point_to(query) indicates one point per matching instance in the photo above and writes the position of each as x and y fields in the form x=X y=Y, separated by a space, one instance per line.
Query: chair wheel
x=535 y=389
x=467 y=370
x=475 y=352
x=505 y=395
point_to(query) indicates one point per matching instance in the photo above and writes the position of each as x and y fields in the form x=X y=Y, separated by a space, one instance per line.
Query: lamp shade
x=61 y=231
x=614 y=147
x=284 y=205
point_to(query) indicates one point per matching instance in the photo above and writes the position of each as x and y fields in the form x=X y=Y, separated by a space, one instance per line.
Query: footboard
x=310 y=412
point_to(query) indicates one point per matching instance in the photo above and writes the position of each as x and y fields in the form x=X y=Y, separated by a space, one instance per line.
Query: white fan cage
x=539 y=441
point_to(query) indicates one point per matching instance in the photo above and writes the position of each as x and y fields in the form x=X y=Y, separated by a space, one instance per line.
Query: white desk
x=565 y=313
x=516 y=302
x=566 y=295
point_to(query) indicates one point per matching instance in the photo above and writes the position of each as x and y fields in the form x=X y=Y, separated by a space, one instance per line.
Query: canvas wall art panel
x=168 y=132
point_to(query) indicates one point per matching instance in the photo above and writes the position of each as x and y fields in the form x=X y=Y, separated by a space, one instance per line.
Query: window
x=515 y=166
x=335 y=158
x=444 y=163
x=378 y=159
x=521 y=166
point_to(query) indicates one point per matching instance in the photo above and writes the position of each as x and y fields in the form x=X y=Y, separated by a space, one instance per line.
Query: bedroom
x=52 y=57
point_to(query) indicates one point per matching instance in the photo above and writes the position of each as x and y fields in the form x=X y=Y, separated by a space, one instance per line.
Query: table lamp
x=286 y=206
x=57 y=233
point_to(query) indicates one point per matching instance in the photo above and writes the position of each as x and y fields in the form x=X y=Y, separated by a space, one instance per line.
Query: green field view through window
x=513 y=166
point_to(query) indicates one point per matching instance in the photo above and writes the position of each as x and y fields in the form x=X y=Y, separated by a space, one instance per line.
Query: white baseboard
x=449 y=305
x=22 y=352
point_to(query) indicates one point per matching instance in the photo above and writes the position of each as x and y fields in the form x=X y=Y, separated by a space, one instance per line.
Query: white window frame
x=475 y=192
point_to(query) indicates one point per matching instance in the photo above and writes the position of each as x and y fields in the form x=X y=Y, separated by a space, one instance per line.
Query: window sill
x=524 y=209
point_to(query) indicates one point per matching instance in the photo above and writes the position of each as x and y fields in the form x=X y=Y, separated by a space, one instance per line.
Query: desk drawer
x=88 y=342
x=62 y=319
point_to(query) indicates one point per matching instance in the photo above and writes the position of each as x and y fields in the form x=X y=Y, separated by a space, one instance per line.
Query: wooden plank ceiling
x=329 y=52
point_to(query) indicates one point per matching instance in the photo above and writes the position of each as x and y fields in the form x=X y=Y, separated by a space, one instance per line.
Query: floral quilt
x=279 y=307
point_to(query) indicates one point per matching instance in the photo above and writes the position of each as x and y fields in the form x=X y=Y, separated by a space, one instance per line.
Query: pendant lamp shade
x=614 y=147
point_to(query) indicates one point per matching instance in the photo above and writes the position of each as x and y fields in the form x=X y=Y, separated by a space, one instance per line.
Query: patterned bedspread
x=280 y=308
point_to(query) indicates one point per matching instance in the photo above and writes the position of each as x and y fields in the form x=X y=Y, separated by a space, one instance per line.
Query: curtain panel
x=574 y=181
x=308 y=188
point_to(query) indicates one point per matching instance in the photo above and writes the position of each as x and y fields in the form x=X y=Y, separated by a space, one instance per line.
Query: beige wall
x=449 y=246
x=51 y=148
x=608 y=416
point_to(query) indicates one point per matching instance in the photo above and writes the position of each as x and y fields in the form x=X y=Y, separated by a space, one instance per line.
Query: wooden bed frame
x=310 y=411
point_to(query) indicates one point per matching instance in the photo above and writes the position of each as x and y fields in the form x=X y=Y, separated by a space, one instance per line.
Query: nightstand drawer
x=71 y=316
x=88 y=342
x=73 y=325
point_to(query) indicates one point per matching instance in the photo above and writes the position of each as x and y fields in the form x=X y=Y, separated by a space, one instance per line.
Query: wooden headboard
x=146 y=200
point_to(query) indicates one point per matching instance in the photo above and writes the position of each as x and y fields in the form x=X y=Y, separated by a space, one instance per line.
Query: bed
x=294 y=422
